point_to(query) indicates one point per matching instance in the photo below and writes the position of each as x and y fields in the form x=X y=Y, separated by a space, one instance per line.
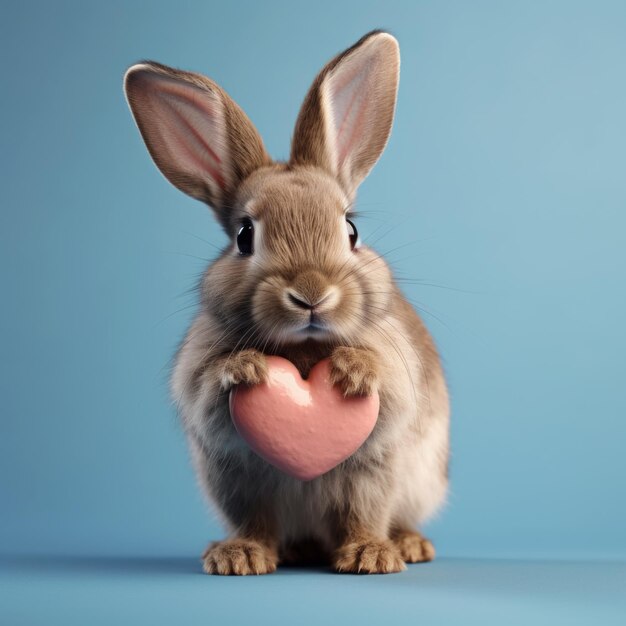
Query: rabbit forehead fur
x=300 y=211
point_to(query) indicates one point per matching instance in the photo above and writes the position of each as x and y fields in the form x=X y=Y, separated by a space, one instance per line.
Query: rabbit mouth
x=316 y=328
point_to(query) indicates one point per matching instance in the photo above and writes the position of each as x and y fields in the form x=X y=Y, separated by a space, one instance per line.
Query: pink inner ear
x=188 y=124
x=348 y=94
x=189 y=139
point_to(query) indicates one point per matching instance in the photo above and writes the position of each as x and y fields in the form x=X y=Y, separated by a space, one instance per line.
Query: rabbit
x=296 y=281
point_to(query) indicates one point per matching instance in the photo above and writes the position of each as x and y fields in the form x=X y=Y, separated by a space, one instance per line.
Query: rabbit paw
x=354 y=371
x=248 y=367
x=413 y=547
x=369 y=557
x=239 y=557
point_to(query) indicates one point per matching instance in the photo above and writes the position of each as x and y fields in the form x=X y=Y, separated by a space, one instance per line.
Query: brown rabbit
x=296 y=282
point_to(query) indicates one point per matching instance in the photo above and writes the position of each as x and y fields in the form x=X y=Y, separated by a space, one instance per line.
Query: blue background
x=502 y=193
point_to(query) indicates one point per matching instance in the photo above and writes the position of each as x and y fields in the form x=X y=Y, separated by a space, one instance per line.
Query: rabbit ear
x=198 y=137
x=346 y=117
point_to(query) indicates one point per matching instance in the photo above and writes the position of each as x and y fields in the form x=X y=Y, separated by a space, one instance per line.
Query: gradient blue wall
x=502 y=189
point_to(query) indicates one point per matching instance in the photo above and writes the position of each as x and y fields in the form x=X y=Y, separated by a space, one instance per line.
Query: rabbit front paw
x=248 y=367
x=354 y=371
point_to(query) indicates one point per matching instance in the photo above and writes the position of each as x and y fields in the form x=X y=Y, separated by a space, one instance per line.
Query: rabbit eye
x=245 y=237
x=353 y=234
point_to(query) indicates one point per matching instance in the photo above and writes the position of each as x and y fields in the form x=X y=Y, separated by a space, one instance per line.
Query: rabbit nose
x=309 y=303
x=299 y=300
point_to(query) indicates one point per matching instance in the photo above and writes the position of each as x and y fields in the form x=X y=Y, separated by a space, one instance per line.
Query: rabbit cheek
x=267 y=309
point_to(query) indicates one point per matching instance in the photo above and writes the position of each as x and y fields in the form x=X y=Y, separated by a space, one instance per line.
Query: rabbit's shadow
x=130 y=565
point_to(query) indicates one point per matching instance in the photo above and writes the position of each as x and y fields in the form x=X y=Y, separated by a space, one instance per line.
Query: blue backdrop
x=502 y=192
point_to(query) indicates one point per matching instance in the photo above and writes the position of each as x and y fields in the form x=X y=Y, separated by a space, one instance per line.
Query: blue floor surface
x=93 y=591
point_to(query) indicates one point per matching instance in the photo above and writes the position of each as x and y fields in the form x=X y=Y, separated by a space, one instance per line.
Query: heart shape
x=302 y=427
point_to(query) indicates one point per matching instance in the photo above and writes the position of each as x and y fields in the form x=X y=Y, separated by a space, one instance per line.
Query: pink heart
x=302 y=427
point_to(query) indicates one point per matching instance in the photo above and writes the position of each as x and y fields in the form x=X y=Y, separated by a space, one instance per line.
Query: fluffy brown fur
x=360 y=515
